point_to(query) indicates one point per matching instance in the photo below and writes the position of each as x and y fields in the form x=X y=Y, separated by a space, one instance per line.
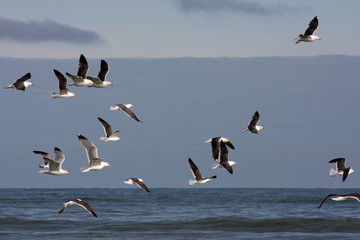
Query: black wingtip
x=81 y=136
x=57 y=149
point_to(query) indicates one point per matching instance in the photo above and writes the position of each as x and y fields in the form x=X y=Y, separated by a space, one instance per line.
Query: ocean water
x=179 y=213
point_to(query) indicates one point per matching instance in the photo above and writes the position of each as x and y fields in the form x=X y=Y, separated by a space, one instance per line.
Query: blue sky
x=170 y=59
x=175 y=28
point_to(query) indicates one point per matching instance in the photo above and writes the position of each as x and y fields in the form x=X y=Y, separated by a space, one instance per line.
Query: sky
x=193 y=70
x=175 y=28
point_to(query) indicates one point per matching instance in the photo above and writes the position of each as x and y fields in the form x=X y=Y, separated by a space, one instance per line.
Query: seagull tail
x=103 y=138
x=333 y=172
x=216 y=165
x=244 y=129
x=192 y=182
x=114 y=107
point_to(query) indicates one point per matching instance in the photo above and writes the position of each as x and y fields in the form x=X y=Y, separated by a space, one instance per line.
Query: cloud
x=236 y=6
x=45 y=30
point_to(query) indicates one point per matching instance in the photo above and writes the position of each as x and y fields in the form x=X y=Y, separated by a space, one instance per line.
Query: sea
x=178 y=213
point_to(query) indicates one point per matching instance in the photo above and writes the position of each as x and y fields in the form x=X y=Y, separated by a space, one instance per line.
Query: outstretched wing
x=104 y=69
x=195 y=170
x=90 y=148
x=106 y=126
x=313 y=25
x=83 y=67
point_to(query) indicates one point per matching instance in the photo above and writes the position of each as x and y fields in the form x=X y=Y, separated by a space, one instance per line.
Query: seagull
x=21 y=84
x=224 y=159
x=63 y=91
x=78 y=202
x=137 y=181
x=100 y=81
x=215 y=145
x=126 y=109
x=341 y=169
x=253 y=127
x=95 y=163
x=341 y=197
x=45 y=156
x=308 y=35
x=55 y=164
x=197 y=175
x=110 y=136
x=80 y=78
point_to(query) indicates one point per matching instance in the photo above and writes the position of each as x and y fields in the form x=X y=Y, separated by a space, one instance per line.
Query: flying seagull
x=21 y=83
x=341 y=169
x=253 y=127
x=100 y=81
x=341 y=197
x=63 y=91
x=80 y=78
x=197 y=175
x=95 y=163
x=126 y=109
x=137 y=181
x=80 y=203
x=309 y=36
x=45 y=156
x=110 y=136
x=224 y=159
x=56 y=164
x=215 y=145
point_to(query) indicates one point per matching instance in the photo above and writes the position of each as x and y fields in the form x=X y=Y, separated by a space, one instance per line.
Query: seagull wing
x=106 y=126
x=62 y=82
x=95 y=80
x=78 y=202
x=330 y=195
x=254 y=121
x=83 y=67
x=104 y=69
x=90 y=148
x=345 y=173
x=45 y=155
x=215 y=146
x=313 y=25
x=128 y=112
x=53 y=165
x=59 y=156
x=229 y=144
x=224 y=158
x=140 y=184
x=195 y=171
x=19 y=83
x=340 y=163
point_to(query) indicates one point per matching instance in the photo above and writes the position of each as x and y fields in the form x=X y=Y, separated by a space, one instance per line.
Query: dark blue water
x=189 y=213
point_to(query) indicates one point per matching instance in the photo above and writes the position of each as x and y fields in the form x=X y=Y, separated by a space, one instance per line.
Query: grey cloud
x=45 y=30
x=236 y=6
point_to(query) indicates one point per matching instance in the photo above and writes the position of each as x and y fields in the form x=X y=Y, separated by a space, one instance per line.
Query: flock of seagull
x=219 y=145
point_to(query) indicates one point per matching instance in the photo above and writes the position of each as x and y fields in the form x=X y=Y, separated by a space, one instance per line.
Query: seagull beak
x=67 y=173
x=320 y=39
x=109 y=165
x=235 y=163
x=32 y=84
x=111 y=84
